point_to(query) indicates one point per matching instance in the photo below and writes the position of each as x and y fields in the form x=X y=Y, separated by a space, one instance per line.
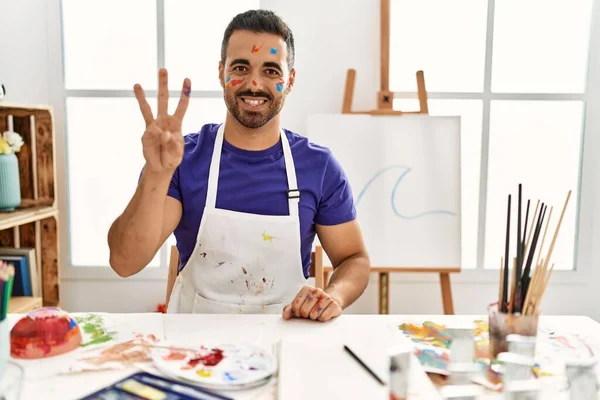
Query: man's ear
x=291 y=81
x=222 y=74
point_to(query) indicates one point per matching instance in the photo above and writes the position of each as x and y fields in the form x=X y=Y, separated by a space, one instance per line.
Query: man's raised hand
x=162 y=141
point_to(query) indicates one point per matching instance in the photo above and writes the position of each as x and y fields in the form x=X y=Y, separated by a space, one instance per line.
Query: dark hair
x=260 y=21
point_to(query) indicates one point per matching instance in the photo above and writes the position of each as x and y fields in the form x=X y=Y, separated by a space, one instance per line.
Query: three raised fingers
x=163 y=98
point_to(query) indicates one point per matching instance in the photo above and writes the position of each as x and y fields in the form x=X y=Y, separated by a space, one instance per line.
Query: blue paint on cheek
x=279 y=87
x=228 y=79
x=273 y=51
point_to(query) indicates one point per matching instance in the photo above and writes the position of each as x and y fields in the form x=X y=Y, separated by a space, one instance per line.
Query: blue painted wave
x=407 y=170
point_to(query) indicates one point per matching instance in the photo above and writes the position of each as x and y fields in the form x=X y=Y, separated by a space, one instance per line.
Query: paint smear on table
x=94 y=329
x=123 y=354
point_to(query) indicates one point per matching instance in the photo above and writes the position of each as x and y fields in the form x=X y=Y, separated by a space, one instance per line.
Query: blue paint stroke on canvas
x=407 y=170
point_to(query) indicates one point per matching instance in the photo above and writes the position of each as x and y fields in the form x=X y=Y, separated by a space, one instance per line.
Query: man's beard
x=253 y=119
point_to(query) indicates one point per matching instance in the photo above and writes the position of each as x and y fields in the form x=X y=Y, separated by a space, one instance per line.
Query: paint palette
x=222 y=366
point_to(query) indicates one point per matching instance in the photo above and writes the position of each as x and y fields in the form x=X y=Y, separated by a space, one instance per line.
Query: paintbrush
x=544 y=237
x=519 y=245
x=527 y=270
x=531 y=227
x=369 y=370
x=536 y=235
x=536 y=289
x=525 y=230
x=504 y=283
x=562 y=214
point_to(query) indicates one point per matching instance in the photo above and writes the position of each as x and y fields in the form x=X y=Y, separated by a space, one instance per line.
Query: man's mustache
x=248 y=93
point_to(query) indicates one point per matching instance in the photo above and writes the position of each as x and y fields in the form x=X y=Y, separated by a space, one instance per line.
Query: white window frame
x=59 y=95
x=591 y=99
x=585 y=256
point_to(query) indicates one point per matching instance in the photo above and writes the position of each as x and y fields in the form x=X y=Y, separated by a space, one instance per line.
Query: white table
x=313 y=362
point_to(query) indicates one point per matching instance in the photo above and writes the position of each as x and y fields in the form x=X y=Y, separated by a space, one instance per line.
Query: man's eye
x=272 y=72
x=239 y=68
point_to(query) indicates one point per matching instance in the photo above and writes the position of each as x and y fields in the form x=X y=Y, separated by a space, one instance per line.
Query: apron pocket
x=202 y=305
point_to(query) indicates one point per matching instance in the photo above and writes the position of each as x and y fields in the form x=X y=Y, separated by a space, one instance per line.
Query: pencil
x=373 y=374
x=1 y=294
x=7 y=280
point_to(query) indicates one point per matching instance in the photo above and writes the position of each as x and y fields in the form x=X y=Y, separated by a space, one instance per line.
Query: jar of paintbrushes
x=523 y=283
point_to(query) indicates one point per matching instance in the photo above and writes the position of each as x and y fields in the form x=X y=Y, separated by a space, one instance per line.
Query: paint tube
x=462 y=345
x=519 y=344
x=582 y=379
x=463 y=373
x=399 y=361
x=517 y=367
x=461 y=392
x=462 y=353
x=528 y=389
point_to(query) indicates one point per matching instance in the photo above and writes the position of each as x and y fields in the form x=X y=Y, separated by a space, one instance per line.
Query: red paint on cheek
x=235 y=82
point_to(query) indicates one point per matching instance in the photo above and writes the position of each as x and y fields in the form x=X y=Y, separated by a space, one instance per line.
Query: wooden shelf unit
x=20 y=304
x=34 y=224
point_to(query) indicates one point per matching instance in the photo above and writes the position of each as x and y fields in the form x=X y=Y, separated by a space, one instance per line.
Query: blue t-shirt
x=255 y=182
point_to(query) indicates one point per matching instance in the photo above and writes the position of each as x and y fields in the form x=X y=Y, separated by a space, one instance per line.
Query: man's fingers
x=184 y=99
x=173 y=143
x=311 y=300
x=144 y=106
x=163 y=92
x=152 y=135
x=318 y=309
x=299 y=301
x=330 y=312
x=287 y=312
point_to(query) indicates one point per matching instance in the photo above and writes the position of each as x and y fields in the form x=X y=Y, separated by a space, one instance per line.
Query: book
x=34 y=271
x=22 y=280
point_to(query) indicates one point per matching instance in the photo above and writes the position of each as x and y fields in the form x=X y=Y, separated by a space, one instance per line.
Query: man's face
x=256 y=78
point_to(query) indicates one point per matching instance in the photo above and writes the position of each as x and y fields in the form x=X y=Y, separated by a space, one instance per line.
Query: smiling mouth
x=254 y=103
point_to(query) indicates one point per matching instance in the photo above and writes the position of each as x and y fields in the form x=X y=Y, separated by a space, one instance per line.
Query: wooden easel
x=385 y=99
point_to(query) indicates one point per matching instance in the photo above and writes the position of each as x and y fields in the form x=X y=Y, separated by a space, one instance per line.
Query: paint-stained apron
x=242 y=263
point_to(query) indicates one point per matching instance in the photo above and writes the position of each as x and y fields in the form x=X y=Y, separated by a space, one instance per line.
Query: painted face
x=256 y=77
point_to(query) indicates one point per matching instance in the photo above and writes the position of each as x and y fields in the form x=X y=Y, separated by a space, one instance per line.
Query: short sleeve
x=174 y=188
x=337 y=204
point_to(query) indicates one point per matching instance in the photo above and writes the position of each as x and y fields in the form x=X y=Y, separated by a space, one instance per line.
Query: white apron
x=242 y=263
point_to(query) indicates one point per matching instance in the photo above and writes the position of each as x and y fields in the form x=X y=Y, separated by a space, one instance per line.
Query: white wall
x=324 y=53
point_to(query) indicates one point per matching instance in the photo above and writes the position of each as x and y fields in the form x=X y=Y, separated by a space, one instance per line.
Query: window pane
x=470 y=112
x=109 y=44
x=541 y=46
x=193 y=34
x=99 y=190
x=445 y=39
x=104 y=162
x=200 y=111
x=536 y=143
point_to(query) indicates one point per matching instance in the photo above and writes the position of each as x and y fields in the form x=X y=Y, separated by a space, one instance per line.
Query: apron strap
x=290 y=169
x=213 y=172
